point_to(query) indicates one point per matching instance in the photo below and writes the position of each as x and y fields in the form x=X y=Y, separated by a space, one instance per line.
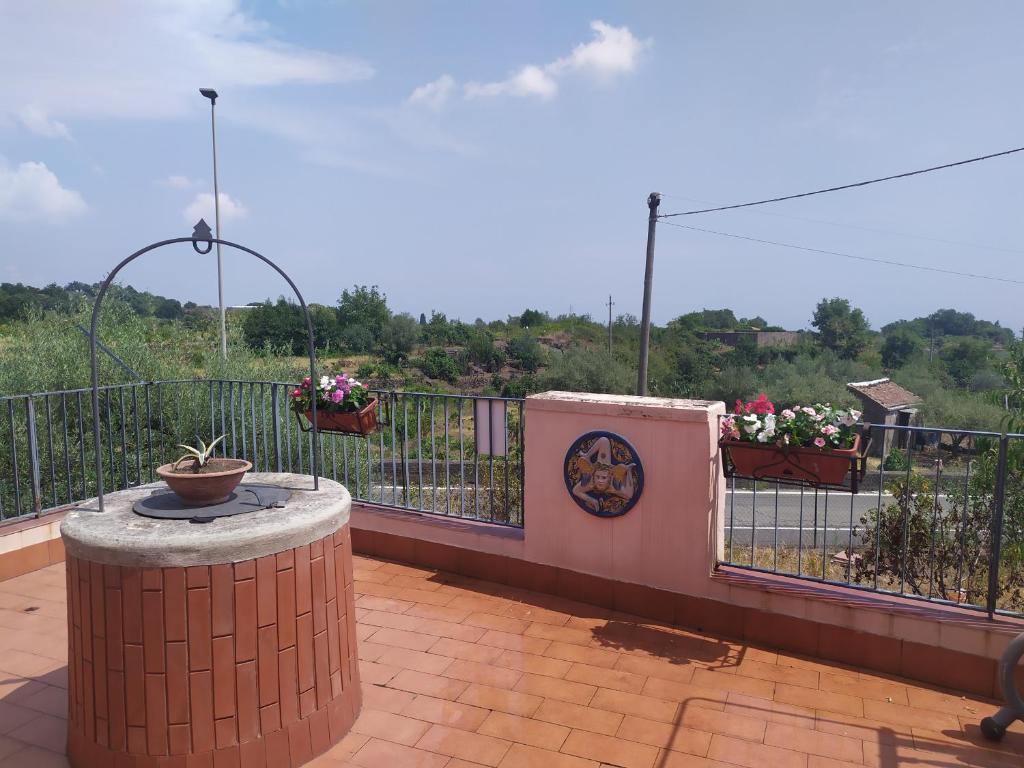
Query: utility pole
x=610 y=303
x=211 y=94
x=653 y=201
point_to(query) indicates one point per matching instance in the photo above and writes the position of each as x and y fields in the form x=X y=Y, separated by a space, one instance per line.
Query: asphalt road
x=796 y=513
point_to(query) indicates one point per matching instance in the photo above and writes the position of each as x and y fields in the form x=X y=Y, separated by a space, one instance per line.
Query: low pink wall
x=673 y=538
x=669 y=539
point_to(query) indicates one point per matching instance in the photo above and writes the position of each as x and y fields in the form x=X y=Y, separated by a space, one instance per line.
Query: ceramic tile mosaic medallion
x=603 y=474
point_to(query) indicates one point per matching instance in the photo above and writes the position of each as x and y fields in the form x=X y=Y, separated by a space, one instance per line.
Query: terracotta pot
x=815 y=465
x=361 y=422
x=202 y=490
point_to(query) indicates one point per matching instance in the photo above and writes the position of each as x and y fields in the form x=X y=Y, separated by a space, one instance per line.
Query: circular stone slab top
x=118 y=536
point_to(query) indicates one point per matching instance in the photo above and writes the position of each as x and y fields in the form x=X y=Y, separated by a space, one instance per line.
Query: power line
x=928 y=238
x=844 y=186
x=890 y=262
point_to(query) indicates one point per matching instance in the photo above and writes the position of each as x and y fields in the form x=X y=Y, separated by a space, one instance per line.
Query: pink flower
x=809 y=411
x=820 y=442
x=337 y=396
x=306 y=382
x=788 y=414
x=829 y=429
x=296 y=393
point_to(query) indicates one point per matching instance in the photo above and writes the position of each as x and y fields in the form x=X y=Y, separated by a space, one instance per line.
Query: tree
x=438 y=364
x=525 y=351
x=707 y=320
x=365 y=308
x=423 y=318
x=841 y=328
x=481 y=351
x=692 y=369
x=169 y=309
x=325 y=329
x=356 y=339
x=900 y=346
x=532 y=317
x=965 y=358
x=436 y=331
x=583 y=370
x=399 y=338
x=279 y=327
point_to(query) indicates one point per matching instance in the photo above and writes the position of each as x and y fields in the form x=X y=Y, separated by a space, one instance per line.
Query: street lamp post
x=212 y=96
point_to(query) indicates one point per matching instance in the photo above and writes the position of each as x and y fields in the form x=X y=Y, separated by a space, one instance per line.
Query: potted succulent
x=204 y=480
x=342 y=404
x=817 y=444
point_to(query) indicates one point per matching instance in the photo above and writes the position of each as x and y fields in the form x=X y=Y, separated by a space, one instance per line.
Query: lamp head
x=210 y=94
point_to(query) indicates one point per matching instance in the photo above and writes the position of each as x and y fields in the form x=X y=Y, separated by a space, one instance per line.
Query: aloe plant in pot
x=204 y=480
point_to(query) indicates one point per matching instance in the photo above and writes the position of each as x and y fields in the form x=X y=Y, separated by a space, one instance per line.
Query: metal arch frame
x=200 y=234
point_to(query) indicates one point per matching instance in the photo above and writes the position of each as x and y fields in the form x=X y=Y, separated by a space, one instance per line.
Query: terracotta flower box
x=361 y=422
x=767 y=460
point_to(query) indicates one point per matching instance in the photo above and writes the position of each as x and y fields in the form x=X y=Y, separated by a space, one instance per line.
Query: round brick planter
x=209 y=645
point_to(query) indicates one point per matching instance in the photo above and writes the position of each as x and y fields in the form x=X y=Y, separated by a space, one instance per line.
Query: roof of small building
x=885 y=392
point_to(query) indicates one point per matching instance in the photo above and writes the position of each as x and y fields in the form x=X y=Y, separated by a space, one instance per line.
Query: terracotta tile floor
x=459 y=673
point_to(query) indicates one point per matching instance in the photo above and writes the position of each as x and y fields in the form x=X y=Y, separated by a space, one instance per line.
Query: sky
x=479 y=158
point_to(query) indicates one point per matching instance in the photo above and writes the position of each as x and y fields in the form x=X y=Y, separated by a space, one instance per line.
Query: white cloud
x=175 y=181
x=528 y=81
x=32 y=192
x=613 y=51
x=109 y=59
x=434 y=94
x=36 y=120
x=202 y=207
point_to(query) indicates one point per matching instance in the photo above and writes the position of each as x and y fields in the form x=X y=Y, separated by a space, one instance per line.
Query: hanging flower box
x=815 y=465
x=343 y=405
x=813 y=444
x=361 y=422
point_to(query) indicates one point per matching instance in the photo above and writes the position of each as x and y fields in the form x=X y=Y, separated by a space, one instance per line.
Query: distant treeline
x=18 y=300
x=949 y=322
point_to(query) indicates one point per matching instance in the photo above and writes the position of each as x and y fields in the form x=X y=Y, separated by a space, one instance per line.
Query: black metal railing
x=939 y=516
x=454 y=455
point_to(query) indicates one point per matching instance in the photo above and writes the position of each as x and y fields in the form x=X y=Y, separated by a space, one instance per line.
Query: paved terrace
x=459 y=673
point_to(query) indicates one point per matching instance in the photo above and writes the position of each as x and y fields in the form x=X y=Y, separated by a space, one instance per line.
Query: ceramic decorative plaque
x=603 y=474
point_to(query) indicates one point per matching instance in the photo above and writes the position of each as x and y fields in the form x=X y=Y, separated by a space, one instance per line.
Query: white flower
x=850 y=418
x=752 y=423
x=325 y=382
x=763 y=437
x=769 y=428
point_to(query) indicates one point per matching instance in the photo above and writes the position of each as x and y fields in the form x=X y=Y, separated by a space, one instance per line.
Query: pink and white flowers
x=820 y=426
x=334 y=394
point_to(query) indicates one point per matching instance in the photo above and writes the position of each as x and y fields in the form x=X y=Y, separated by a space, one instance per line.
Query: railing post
x=276 y=428
x=33 y=456
x=999 y=493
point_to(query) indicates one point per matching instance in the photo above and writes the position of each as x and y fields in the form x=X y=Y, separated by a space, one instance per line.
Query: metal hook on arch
x=201 y=234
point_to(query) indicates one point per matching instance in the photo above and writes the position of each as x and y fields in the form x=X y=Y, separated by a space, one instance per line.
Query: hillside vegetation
x=956 y=362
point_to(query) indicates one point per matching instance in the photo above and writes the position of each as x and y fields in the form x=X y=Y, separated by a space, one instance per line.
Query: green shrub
x=896 y=461
x=525 y=351
x=583 y=370
x=438 y=364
